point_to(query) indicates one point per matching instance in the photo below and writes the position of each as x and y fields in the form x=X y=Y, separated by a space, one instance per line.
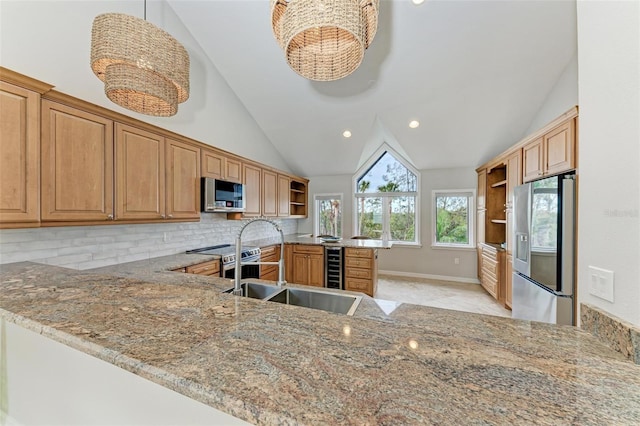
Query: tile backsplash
x=86 y=247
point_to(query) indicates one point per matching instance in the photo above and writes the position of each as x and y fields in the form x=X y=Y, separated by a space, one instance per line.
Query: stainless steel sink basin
x=318 y=299
x=309 y=298
x=257 y=290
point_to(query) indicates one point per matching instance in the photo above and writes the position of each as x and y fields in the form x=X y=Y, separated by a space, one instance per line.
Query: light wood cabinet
x=492 y=275
x=269 y=254
x=550 y=154
x=482 y=189
x=269 y=193
x=308 y=265
x=508 y=279
x=210 y=268
x=19 y=156
x=361 y=270
x=253 y=191
x=219 y=166
x=140 y=169
x=77 y=165
x=182 y=180
x=298 y=200
x=283 y=195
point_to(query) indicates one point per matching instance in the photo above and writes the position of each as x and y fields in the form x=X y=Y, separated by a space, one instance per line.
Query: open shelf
x=298 y=199
x=498 y=184
x=503 y=221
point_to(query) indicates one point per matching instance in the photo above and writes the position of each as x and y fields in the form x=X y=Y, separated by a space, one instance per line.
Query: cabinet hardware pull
x=110 y=217
x=170 y=216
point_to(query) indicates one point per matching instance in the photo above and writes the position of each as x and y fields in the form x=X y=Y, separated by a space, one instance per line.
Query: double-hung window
x=387 y=199
x=453 y=217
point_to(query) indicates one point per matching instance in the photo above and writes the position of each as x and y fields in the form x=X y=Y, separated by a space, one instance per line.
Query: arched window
x=387 y=198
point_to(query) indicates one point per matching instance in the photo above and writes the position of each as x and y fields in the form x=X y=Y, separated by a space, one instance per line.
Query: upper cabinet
x=182 y=180
x=77 y=165
x=283 y=195
x=551 y=153
x=252 y=180
x=269 y=193
x=220 y=166
x=19 y=156
x=298 y=200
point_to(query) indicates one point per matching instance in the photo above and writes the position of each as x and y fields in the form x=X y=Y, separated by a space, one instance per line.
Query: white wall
x=50 y=41
x=609 y=155
x=562 y=97
x=425 y=261
x=86 y=247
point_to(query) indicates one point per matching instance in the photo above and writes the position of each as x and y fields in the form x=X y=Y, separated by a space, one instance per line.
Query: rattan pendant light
x=324 y=40
x=144 y=68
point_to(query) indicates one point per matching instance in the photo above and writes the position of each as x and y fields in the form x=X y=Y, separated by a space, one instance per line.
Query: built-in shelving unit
x=496 y=201
x=298 y=199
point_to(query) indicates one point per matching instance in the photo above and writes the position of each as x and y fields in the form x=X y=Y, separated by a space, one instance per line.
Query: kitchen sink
x=318 y=299
x=257 y=290
x=315 y=299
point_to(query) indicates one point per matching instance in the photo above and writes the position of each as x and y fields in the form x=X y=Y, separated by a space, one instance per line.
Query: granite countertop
x=309 y=239
x=269 y=363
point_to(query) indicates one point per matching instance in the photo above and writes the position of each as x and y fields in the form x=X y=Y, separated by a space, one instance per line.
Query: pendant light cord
x=145 y=10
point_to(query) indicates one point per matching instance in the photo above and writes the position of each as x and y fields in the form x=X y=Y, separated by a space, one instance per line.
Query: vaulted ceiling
x=474 y=73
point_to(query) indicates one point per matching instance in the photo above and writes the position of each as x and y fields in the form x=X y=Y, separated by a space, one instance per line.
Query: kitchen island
x=268 y=363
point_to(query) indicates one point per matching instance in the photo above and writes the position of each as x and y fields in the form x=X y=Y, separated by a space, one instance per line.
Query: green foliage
x=452 y=220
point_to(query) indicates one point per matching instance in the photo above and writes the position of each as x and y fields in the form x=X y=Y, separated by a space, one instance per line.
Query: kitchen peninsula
x=268 y=363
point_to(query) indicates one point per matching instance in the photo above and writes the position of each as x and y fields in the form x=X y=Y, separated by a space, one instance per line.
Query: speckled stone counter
x=308 y=239
x=269 y=363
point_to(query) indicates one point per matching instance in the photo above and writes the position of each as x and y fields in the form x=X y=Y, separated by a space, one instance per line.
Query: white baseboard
x=429 y=276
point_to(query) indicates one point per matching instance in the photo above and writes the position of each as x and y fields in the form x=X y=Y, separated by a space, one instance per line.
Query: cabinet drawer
x=358 y=262
x=267 y=270
x=357 y=284
x=269 y=251
x=359 y=273
x=206 y=268
x=490 y=266
x=358 y=252
x=307 y=249
x=491 y=286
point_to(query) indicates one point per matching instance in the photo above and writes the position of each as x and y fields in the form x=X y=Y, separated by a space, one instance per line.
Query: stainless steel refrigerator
x=544 y=252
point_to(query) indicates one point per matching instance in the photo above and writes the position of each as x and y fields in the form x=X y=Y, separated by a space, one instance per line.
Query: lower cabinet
x=210 y=268
x=508 y=279
x=308 y=265
x=269 y=254
x=361 y=270
x=492 y=271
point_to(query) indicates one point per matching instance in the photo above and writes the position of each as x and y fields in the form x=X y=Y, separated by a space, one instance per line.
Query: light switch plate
x=601 y=283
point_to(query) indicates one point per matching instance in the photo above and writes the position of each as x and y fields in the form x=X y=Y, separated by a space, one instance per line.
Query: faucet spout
x=237 y=289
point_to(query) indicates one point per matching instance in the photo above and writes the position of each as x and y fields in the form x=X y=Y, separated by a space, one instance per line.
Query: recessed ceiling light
x=346 y=134
x=416 y=2
x=414 y=123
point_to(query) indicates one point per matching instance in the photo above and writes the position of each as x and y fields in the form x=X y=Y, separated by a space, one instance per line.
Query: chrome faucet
x=237 y=290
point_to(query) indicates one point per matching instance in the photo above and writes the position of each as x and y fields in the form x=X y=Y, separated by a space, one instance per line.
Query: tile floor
x=439 y=294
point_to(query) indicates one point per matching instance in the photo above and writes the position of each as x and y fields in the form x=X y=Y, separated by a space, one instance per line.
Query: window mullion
x=386 y=218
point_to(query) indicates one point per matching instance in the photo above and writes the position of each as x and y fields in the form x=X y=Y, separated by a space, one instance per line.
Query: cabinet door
x=233 y=170
x=19 y=155
x=508 y=270
x=213 y=164
x=532 y=160
x=251 y=182
x=77 y=165
x=559 y=149
x=288 y=262
x=183 y=187
x=300 y=268
x=269 y=193
x=480 y=226
x=283 y=195
x=140 y=180
x=316 y=270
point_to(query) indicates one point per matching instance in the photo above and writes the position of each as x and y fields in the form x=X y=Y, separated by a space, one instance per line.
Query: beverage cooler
x=333 y=268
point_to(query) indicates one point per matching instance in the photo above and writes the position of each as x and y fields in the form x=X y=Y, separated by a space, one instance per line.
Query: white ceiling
x=474 y=73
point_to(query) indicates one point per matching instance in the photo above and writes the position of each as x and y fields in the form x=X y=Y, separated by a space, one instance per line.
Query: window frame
x=316 y=211
x=471 y=220
x=386 y=196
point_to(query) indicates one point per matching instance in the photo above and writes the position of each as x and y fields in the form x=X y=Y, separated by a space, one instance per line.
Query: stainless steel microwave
x=222 y=196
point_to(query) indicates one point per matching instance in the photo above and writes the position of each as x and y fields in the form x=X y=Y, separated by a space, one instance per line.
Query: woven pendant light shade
x=324 y=40
x=143 y=67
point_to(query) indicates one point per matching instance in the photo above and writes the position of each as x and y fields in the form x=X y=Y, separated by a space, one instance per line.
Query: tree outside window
x=453 y=218
x=386 y=194
x=328 y=215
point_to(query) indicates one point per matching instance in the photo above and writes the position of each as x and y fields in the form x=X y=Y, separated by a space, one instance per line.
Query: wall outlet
x=601 y=283
x=456 y=260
